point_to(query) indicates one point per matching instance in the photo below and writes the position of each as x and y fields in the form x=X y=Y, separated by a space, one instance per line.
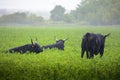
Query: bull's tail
x=107 y=35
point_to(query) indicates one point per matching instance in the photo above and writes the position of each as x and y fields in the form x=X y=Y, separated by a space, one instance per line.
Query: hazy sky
x=38 y=5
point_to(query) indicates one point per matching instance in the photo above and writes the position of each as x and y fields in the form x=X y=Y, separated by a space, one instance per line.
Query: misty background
x=37 y=12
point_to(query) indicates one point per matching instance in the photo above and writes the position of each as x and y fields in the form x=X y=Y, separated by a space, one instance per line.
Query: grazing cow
x=33 y=47
x=93 y=44
x=59 y=44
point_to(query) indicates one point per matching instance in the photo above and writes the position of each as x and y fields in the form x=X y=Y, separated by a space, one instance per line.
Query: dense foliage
x=55 y=64
x=94 y=12
x=88 y=12
x=98 y=12
x=21 y=18
x=57 y=14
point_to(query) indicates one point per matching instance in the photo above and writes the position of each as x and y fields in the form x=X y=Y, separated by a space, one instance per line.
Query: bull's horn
x=36 y=40
x=56 y=38
x=65 y=39
x=32 y=41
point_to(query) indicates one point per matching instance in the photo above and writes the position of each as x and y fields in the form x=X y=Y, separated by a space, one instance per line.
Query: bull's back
x=19 y=49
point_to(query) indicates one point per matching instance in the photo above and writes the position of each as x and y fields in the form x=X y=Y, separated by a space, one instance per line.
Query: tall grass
x=55 y=64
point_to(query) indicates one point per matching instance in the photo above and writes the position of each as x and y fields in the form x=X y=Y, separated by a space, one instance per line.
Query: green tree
x=98 y=12
x=68 y=18
x=21 y=18
x=32 y=18
x=14 y=18
x=57 y=14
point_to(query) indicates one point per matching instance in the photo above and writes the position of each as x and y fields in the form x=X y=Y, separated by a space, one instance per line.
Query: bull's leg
x=82 y=54
x=101 y=52
x=22 y=51
x=61 y=48
x=87 y=55
x=91 y=55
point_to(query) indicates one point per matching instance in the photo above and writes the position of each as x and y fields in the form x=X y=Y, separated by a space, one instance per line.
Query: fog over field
x=37 y=12
x=39 y=7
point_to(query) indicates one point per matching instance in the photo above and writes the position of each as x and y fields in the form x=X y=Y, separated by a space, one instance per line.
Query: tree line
x=21 y=18
x=92 y=12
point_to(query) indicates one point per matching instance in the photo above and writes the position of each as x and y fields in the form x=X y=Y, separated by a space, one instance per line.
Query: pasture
x=55 y=64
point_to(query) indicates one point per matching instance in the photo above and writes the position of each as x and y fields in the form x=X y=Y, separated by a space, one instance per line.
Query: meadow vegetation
x=55 y=64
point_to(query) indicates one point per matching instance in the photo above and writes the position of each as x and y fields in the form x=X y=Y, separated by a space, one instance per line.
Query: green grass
x=55 y=64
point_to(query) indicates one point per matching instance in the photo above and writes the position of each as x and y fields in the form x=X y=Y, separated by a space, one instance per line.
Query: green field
x=55 y=64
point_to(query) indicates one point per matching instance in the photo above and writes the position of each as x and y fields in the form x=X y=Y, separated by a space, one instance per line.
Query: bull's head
x=35 y=47
x=58 y=40
x=61 y=40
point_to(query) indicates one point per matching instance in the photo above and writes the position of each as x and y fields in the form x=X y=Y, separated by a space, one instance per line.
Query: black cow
x=33 y=47
x=93 y=44
x=59 y=44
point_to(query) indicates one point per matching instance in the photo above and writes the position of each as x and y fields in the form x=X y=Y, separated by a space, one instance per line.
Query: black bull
x=59 y=44
x=93 y=44
x=33 y=47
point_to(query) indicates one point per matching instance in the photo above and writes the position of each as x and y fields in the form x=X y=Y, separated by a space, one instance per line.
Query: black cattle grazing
x=33 y=47
x=93 y=44
x=59 y=44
